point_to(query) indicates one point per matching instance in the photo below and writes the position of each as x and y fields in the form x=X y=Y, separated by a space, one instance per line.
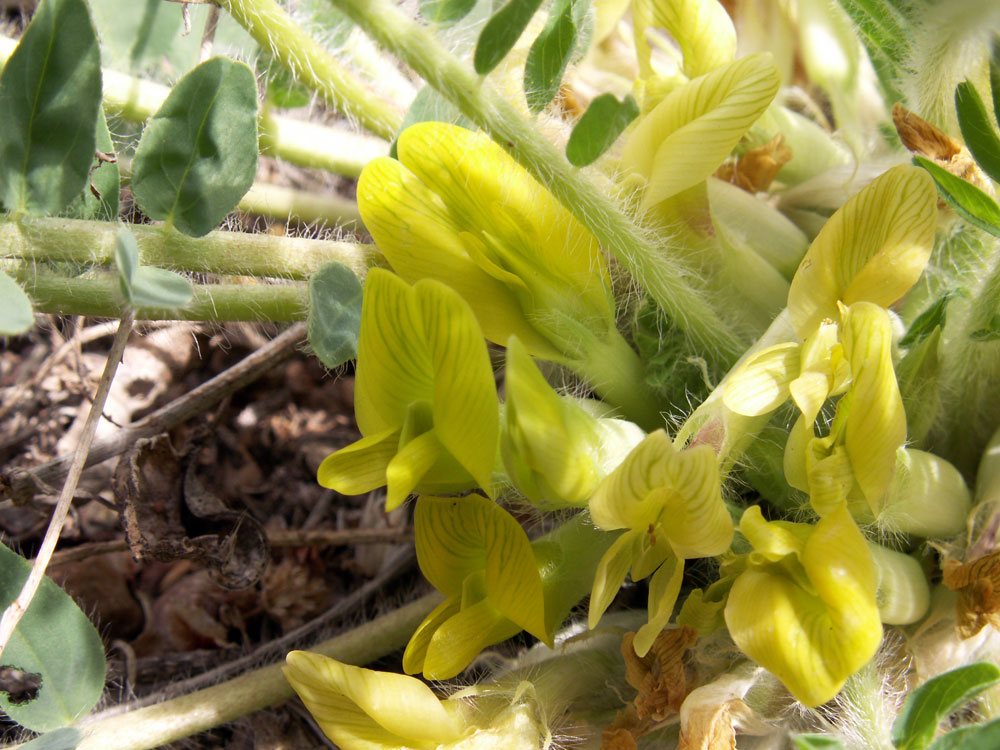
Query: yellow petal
x=760 y=384
x=360 y=467
x=400 y=705
x=628 y=497
x=814 y=636
x=702 y=28
x=610 y=574
x=873 y=249
x=876 y=421
x=417 y=234
x=664 y=587
x=692 y=131
x=462 y=637
x=416 y=650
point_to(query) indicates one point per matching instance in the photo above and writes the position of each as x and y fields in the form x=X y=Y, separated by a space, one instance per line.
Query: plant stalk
x=666 y=279
x=56 y=240
x=195 y=712
x=102 y=298
x=274 y=30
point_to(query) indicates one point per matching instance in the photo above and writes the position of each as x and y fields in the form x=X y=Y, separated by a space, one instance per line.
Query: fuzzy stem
x=666 y=279
x=55 y=240
x=273 y=29
x=102 y=298
x=305 y=144
x=286 y=203
x=181 y=717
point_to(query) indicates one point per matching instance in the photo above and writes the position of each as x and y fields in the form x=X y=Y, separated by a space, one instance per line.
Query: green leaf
x=50 y=93
x=991 y=332
x=927 y=321
x=104 y=179
x=429 y=105
x=977 y=130
x=599 y=128
x=334 y=314
x=883 y=27
x=158 y=287
x=16 y=316
x=127 y=260
x=995 y=76
x=64 y=738
x=976 y=737
x=501 y=33
x=549 y=55
x=926 y=706
x=971 y=203
x=444 y=12
x=56 y=641
x=146 y=286
x=817 y=742
x=198 y=154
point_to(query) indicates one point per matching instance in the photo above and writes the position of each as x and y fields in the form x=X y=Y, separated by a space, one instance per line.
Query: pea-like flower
x=425 y=398
x=362 y=709
x=670 y=504
x=805 y=606
x=457 y=208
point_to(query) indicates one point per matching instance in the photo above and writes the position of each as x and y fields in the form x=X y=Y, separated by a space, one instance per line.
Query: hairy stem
x=667 y=280
x=181 y=717
x=275 y=30
x=55 y=240
x=102 y=298
x=617 y=374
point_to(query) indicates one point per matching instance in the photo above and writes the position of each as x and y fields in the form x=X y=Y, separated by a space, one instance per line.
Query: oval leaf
x=501 y=33
x=158 y=287
x=50 y=94
x=977 y=130
x=334 y=314
x=971 y=203
x=56 y=641
x=15 y=313
x=599 y=128
x=65 y=738
x=976 y=737
x=445 y=11
x=198 y=155
x=549 y=55
x=817 y=742
x=926 y=706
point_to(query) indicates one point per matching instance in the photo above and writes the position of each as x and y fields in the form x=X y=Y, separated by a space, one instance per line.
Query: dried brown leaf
x=756 y=169
x=663 y=676
x=977 y=584
x=922 y=138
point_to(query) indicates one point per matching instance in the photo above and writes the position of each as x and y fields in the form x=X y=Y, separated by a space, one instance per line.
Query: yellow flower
x=425 y=399
x=805 y=608
x=670 y=503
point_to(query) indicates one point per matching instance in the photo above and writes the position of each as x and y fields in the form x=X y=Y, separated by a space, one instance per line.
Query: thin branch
x=13 y=614
x=289 y=538
x=25 y=483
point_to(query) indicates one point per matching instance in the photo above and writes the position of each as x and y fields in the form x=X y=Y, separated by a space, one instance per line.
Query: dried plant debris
x=169 y=513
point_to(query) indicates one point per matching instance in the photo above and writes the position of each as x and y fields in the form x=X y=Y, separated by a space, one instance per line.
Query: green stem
x=283 y=203
x=617 y=374
x=273 y=29
x=181 y=717
x=102 y=298
x=667 y=280
x=55 y=240
x=305 y=144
